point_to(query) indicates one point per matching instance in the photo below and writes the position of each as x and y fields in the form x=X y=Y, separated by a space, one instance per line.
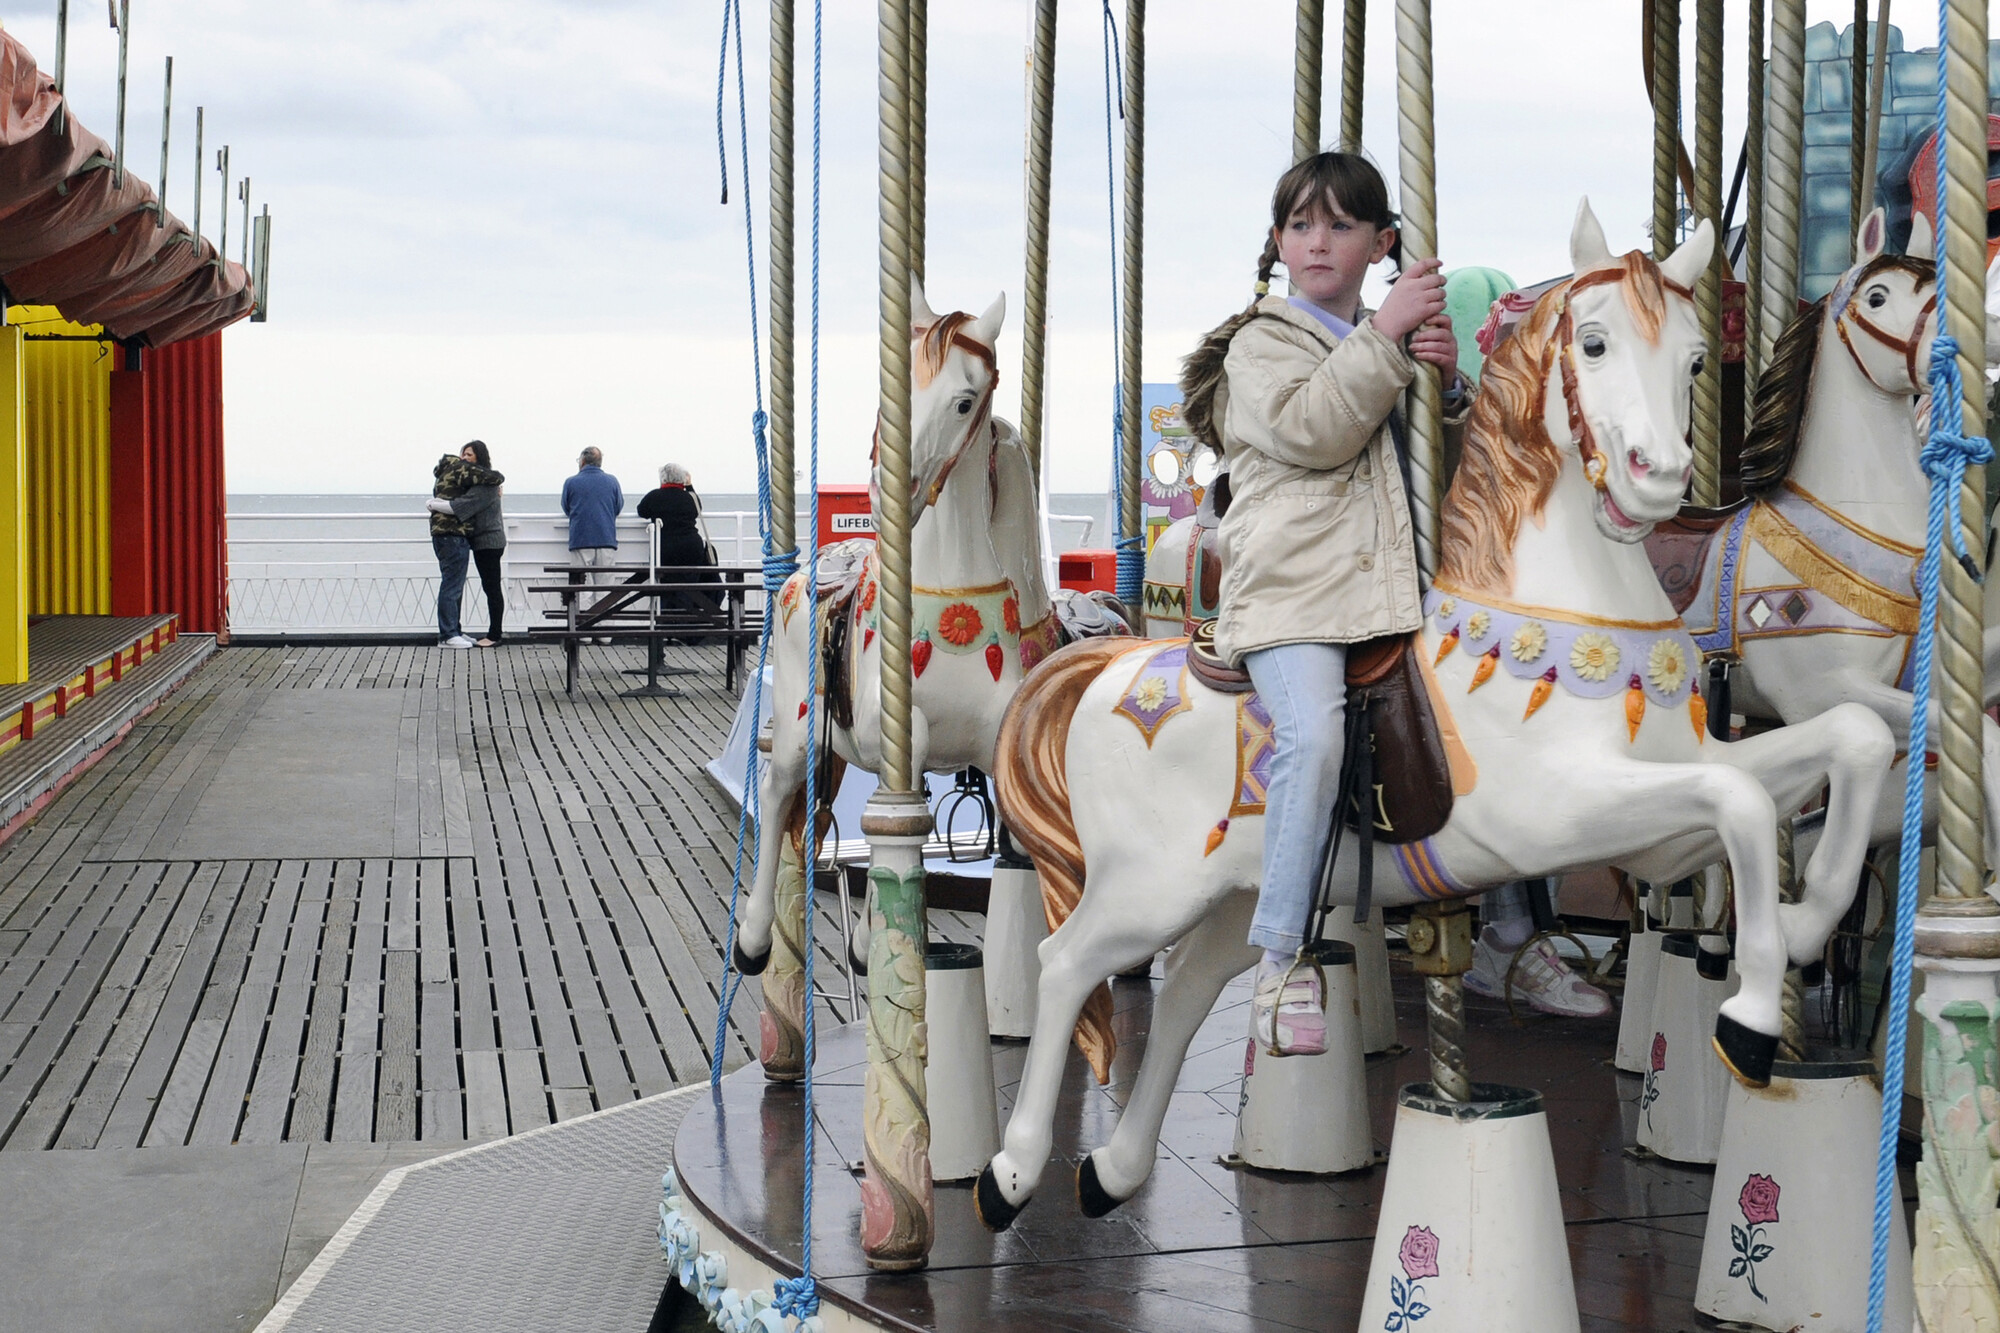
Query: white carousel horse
x=1589 y=749
x=1811 y=585
x=980 y=611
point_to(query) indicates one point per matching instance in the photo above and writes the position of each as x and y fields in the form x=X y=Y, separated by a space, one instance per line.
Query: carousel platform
x=1204 y=1246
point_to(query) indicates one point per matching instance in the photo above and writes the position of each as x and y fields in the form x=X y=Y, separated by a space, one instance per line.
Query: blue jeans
x=452 y=553
x=1304 y=685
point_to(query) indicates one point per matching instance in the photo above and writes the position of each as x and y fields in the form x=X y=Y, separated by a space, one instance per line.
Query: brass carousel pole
x=1666 y=68
x=1131 y=388
x=896 y=1227
x=1753 y=216
x=1035 y=286
x=1784 y=147
x=784 y=979
x=1353 y=42
x=1707 y=490
x=1958 y=931
x=1310 y=41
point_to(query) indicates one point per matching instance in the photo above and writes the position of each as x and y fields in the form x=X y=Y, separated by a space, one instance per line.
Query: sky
x=501 y=218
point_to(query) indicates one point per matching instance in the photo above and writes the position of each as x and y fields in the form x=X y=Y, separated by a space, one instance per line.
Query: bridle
x=1846 y=316
x=981 y=416
x=1562 y=352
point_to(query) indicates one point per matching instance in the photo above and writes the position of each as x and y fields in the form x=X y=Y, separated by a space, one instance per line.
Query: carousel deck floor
x=1203 y=1246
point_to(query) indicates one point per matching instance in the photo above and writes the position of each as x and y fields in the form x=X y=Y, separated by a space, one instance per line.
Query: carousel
x=1702 y=615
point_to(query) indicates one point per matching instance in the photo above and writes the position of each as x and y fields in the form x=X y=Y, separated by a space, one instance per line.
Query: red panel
x=183 y=388
x=844 y=512
x=133 y=476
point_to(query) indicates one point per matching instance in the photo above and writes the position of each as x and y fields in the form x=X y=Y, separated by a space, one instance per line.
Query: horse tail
x=1031 y=779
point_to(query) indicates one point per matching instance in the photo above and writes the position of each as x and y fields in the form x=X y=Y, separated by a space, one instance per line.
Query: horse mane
x=935 y=341
x=1783 y=388
x=1510 y=465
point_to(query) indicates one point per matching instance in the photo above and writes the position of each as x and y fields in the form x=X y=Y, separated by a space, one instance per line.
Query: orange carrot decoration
x=1487 y=661
x=1215 y=837
x=1449 y=642
x=1540 y=694
x=1698 y=714
x=1635 y=706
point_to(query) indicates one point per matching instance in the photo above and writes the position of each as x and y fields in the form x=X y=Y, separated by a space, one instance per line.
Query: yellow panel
x=67 y=411
x=13 y=516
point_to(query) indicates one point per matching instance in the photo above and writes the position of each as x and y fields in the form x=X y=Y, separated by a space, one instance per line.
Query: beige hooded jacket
x=1316 y=544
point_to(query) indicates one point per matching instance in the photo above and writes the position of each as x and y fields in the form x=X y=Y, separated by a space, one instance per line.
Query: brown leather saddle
x=1679 y=546
x=1403 y=780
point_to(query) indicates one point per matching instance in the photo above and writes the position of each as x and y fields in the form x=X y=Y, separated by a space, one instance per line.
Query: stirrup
x=1284 y=983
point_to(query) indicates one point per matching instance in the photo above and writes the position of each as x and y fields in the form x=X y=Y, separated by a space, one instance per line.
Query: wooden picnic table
x=632 y=609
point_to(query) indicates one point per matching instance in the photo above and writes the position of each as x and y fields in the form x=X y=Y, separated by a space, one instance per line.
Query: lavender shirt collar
x=1335 y=325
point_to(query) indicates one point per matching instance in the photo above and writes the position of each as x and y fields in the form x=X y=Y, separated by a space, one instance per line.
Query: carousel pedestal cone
x=1635 y=1006
x=1790 y=1219
x=1310 y=1113
x=1687 y=1085
x=958 y=1075
x=1471 y=1226
x=1015 y=929
x=1371 y=968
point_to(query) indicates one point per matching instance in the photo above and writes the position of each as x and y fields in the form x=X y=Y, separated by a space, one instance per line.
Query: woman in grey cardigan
x=480 y=506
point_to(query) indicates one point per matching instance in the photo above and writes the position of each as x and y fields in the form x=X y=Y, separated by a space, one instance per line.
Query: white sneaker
x=1542 y=978
x=458 y=641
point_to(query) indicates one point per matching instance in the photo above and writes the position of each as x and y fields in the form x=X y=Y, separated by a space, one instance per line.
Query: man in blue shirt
x=592 y=500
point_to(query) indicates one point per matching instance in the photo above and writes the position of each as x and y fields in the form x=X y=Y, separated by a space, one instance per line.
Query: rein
x=1907 y=347
x=1561 y=351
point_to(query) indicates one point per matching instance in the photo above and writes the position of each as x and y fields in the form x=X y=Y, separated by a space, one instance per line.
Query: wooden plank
x=312 y=1107
x=527 y=1095
x=438 y=1062
x=468 y=951
x=571 y=1102
x=485 y=1096
x=354 y=1099
x=402 y=905
x=133 y=1112
x=407 y=842
x=396 y=1093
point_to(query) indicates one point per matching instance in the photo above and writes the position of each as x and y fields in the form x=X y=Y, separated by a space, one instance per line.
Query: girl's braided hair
x=1312 y=187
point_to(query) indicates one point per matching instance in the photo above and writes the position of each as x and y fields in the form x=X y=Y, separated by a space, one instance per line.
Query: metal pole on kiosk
x=1459 y=1148
x=1131 y=542
x=1707 y=202
x=896 y=1215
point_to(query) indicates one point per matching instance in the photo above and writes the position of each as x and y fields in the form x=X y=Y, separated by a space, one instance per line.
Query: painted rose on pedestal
x=1418 y=1255
x=1758 y=1201
x=1654 y=1068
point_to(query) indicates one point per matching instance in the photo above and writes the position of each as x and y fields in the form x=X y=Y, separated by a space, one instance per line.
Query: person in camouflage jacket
x=454 y=475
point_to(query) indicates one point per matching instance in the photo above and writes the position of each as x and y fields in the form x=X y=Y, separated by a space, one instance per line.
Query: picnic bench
x=655 y=604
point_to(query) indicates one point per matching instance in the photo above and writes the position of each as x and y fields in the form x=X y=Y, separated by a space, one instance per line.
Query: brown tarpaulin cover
x=71 y=238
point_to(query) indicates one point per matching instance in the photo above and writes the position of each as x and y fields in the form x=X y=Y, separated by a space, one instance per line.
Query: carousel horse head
x=953 y=374
x=1595 y=381
x=1882 y=314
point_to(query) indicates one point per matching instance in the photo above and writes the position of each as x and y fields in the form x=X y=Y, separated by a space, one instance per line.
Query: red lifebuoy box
x=844 y=512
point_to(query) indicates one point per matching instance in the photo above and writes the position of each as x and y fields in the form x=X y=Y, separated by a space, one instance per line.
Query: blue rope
x=799 y=1297
x=1946 y=455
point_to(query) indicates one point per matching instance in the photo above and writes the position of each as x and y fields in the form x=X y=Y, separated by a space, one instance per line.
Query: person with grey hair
x=592 y=500
x=676 y=507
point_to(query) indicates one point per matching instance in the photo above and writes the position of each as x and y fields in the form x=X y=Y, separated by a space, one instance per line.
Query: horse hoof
x=1747 y=1052
x=995 y=1213
x=1813 y=973
x=1711 y=966
x=1090 y=1195
x=745 y=964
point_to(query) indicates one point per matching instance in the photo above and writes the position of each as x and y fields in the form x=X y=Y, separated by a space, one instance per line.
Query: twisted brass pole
x=919 y=76
x=1784 y=119
x=1857 y=136
x=1035 y=285
x=1707 y=488
x=1310 y=41
x=1877 y=75
x=1961 y=868
x=893 y=517
x=1417 y=141
x=1753 y=217
x=1666 y=59
x=1353 y=41
x=779 y=438
x=1130 y=386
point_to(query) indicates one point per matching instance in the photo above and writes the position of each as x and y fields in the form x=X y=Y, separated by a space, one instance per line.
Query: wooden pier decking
x=357 y=894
